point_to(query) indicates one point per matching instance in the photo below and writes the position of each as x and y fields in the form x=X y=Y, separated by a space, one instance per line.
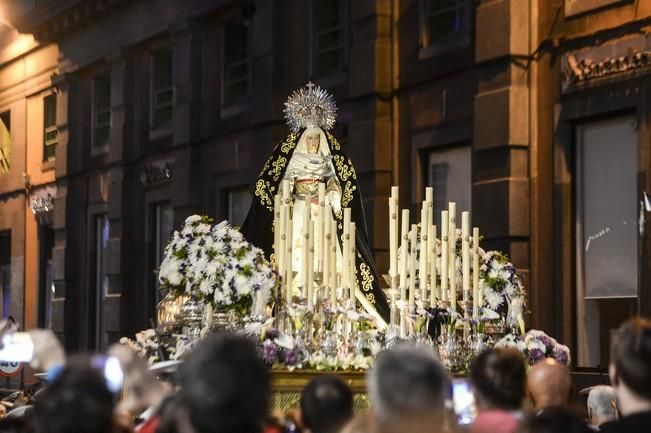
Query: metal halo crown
x=310 y=106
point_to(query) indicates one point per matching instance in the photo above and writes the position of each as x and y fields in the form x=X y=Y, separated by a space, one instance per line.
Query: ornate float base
x=286 y=387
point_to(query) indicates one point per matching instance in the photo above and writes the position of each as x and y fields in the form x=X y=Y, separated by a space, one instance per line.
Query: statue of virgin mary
x=309 y=155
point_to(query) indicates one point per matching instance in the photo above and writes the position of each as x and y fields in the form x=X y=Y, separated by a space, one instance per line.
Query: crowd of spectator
x=223 y=387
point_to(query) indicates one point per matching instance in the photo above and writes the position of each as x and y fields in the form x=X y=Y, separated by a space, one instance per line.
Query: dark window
x=236 y=71
x=50 y=132
x=238 y=202
x=329 y=36
x=5 y=142
x=443 y=18
x=449 y=173
x=606 y=212
x=5 y=273
x=163 y=225
x=101 y=109
x=162 y=87
x=5 y=117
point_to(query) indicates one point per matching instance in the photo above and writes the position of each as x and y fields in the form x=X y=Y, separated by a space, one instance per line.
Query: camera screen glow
x=113 y=374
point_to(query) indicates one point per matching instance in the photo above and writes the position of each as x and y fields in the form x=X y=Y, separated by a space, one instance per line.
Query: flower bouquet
x=215 y=264
x=504 y=294
x=536 y=346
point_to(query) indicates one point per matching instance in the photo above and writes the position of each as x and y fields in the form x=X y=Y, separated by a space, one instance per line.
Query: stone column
x=119 y=213
x=187 y=84
x=369 y=144
x=501 y=192
x=68 y=222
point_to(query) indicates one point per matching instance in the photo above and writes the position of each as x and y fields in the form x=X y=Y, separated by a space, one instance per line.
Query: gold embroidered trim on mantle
x=347 y=196
x=367 y=278
x=344 y=168
x=262 y=190
x=333 y=141
x=289 y=144
x=277 y=169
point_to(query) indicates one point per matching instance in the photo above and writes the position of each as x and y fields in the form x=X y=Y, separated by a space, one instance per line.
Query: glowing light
x=113 y=374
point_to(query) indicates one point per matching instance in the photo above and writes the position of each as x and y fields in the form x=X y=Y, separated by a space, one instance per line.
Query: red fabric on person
x=495 y=421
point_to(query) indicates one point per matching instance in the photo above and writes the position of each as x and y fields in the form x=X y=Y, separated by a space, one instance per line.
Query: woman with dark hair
x=78 y=400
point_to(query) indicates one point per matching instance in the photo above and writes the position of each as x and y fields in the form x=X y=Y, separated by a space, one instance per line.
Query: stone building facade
x=165 y=108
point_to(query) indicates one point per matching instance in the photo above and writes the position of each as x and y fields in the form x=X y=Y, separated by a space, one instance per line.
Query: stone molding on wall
x=620 y=57
x=576 y=7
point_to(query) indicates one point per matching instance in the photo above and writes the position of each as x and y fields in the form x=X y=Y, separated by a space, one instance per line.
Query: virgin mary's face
x=313 y=142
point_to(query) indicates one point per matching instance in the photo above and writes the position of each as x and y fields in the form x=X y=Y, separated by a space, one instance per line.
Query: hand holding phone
x=463 y=401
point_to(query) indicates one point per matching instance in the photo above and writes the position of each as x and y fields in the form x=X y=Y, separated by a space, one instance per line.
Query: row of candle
x=320 y=251
x=403 y=280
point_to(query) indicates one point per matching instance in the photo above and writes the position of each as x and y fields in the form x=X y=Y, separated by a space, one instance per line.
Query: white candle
x=395 y=194
x=393 y=232
x=431 y=256
x=285 y=190
x=282 y=236
x=452 y=239
x=353 y=265
x=327 y=216
x=412 y=266
x=320 y=227
x=333 y=261
x=288 y=231
x=310 y=267
x=345 y=272
x=404 y=254
x=445 y=255
x=465 y=256
x=393 y=240
x=277 y=229
x=306 y=243
x=423 y=260
x=476 y=295
x=289 y=248
x=431 y=239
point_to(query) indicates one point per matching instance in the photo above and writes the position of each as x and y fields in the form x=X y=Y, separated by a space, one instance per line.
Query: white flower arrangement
x=216 y=264
x=501 y=285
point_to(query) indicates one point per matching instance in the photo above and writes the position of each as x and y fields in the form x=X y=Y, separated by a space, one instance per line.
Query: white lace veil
x=324 y=148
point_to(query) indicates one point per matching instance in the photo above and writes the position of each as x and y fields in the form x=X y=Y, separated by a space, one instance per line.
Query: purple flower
x=291 y=358
x=271 y=333
x=536 y=355
x=546 y=341
x=269 y=352
x=561 y=357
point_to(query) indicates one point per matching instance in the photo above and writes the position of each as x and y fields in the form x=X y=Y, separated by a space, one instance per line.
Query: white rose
x=192 y=219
